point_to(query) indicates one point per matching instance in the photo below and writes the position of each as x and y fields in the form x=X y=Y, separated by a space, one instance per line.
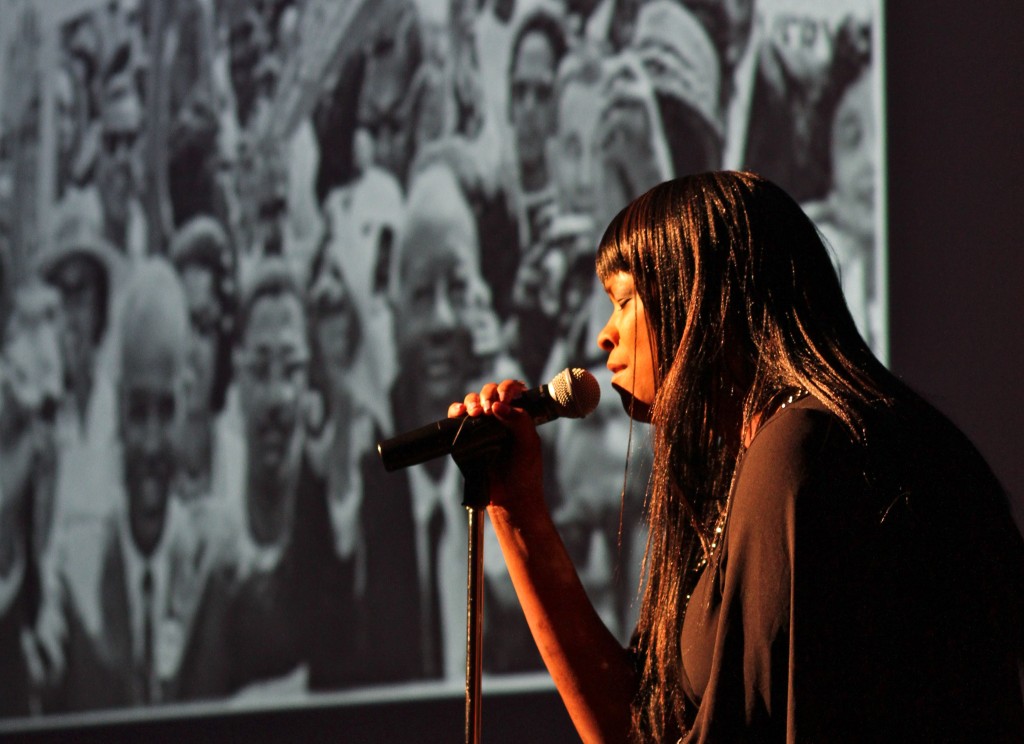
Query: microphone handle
x=437 y=440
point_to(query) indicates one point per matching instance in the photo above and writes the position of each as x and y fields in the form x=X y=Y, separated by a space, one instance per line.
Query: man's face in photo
x=533 y=106
x=273 y=367
x=151 y=396
x=79 y=279
x=433 y=319
x=119 y=168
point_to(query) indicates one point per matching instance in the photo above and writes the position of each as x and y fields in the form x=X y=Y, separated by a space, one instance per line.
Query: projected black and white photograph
x=242 y=241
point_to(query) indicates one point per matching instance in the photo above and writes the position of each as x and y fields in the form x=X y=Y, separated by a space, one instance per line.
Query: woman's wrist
x=520 y=514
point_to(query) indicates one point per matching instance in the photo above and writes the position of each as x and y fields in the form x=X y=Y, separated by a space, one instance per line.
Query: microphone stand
x=474 y=459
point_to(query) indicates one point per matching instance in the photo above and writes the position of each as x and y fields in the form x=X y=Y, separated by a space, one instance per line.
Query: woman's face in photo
x=333 y=318
x=629 y=342
x=853 y=155
x=204 y=318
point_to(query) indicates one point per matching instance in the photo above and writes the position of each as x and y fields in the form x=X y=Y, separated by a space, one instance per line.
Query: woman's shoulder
x=909 y=457
x=802 y=452
x=797 y=437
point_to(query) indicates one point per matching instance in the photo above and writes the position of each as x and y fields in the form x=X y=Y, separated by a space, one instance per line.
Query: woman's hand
x=516 y=479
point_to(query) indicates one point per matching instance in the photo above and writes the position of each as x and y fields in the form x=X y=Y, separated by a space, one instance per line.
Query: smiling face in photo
x=433 y=327
x=155 y=340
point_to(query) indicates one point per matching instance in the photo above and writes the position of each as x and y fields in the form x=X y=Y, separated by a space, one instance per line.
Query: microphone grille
x=576 y=392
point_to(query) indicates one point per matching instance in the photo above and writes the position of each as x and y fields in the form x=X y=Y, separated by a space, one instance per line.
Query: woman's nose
x=607 y=338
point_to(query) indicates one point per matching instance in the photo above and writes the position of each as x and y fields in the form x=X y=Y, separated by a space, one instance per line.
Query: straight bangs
x=614 y=252
x=647 y=240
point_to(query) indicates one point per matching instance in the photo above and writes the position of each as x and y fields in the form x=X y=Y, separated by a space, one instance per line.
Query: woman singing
x=829 y=558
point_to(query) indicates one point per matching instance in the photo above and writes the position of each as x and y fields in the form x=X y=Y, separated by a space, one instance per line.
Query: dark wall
x=956 y=128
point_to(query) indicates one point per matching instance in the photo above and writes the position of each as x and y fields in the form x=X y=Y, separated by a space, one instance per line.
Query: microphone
x=572 y=393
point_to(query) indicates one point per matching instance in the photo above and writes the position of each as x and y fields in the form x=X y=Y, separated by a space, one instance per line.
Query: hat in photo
x=687 y=64
x=204 y=240
x=79 y=235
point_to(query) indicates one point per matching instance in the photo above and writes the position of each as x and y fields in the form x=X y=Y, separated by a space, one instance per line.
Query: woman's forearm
x=593 y=673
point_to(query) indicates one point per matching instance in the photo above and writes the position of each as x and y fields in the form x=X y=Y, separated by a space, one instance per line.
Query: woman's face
x=629 y=342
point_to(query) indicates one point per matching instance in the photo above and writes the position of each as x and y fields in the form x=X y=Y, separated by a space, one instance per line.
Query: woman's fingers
x=509 y=390
x=488 y=395
x=477 y=404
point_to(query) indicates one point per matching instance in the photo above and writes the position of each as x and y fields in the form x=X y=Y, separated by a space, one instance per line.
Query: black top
x=852 y=607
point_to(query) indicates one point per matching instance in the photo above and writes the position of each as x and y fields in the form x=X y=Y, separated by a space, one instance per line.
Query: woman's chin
x=635 y=408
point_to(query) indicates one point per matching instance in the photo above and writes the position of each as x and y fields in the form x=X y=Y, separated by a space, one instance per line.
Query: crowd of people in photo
x=250 y=273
